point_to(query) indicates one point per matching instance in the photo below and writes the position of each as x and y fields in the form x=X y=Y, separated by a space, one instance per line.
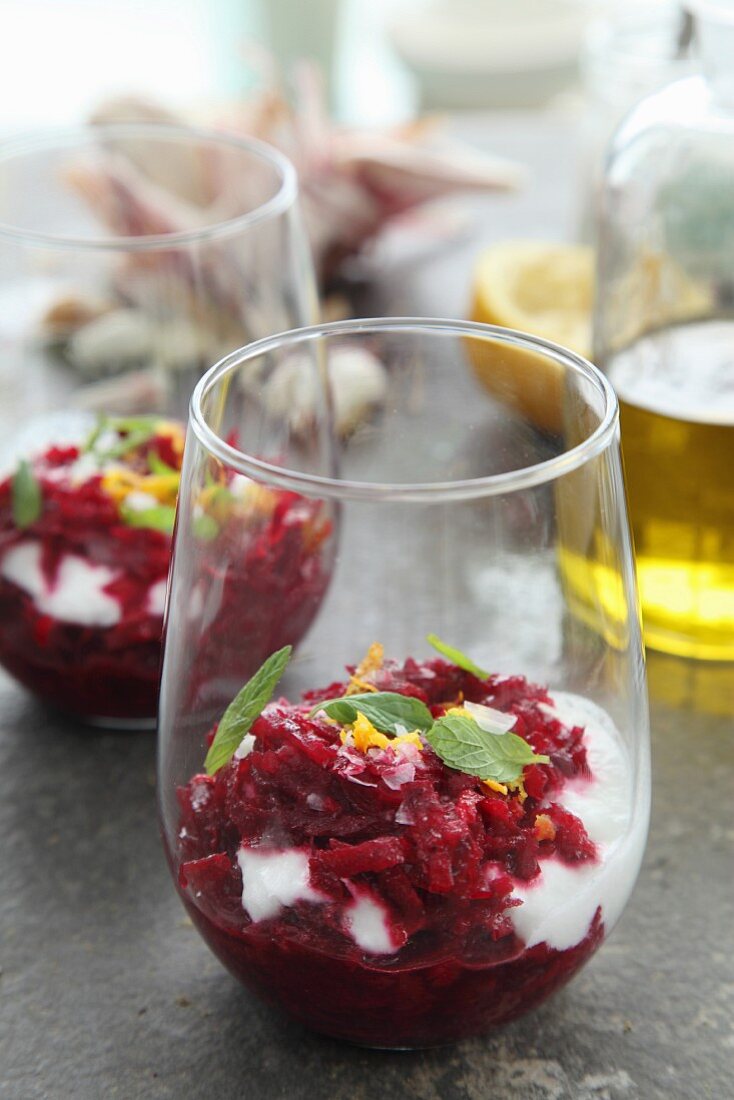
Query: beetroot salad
x=85 y=545
x=391 y=859
x=262 y=566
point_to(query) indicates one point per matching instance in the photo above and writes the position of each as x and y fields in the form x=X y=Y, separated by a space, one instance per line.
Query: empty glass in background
x=441 y=505
x=664 y=333
x=131 y=258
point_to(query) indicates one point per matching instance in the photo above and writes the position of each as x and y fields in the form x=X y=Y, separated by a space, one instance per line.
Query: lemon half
x=547 y=290
x=538 y=287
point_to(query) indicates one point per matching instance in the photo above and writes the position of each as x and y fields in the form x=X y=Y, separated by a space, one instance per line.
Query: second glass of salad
x=131 y=257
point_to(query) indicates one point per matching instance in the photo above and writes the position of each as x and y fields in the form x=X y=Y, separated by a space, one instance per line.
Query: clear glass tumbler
x=131 y=257
x=426 y=818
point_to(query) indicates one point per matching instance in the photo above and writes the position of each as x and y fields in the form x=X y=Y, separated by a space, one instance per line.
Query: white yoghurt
x=240 y=486
x=138 y=501
x=85 y=467
x=76 y=595
x=558 y=906
x=155 y=601
x=273 y=878
x=367 y=922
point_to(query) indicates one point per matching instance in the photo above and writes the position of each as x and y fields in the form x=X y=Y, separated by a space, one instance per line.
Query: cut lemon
x=541 y=288
x=546 y=290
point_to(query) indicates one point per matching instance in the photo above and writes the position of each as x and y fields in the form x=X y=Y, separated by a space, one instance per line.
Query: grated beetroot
x=439 y=852
x=274 y=576
x=268 y=585
x=88 y=670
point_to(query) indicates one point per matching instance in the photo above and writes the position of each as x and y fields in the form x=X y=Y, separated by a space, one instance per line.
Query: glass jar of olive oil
x=664 y=334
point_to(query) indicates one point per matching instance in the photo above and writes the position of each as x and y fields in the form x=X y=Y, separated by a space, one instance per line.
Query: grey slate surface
x=107 y=991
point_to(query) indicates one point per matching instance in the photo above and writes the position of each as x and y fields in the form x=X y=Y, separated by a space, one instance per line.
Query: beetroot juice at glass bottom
x=384 y=897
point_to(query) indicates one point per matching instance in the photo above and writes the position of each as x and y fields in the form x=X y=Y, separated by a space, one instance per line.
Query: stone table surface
x=107 y=990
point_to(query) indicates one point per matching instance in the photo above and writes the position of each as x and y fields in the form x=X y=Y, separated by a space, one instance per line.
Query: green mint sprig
x=158 y=466
x=205 y=527
x=160 y=518
x=456 y=657
x=458 y=740
x=134 y=431
x=246 y=706
x=388 y=711
x=462 y=744
x=26 y=497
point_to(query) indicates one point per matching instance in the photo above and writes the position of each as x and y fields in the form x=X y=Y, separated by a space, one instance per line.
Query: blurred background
x=382 y=58
x=571 y=67
x=421 y=130
x=579 y=64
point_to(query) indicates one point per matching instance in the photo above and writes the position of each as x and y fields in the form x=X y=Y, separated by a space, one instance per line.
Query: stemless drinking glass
x=131 y=257
x=427 y=817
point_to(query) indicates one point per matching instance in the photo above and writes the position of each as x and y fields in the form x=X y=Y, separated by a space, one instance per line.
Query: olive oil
x=676 y=392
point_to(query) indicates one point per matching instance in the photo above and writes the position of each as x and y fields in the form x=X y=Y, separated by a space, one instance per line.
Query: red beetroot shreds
x=268 y=584
x=571 y=841
x=347 y=860
x=267 y=577
x=210 y=878
x=97 y=671
x=440 y=849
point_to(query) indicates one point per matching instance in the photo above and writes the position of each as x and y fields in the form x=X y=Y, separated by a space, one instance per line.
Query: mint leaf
x=158 y=466
x=160 y=518
x=386 y=710
x=244 y=709
x=26 y=496
x=457 y=657
x=89 y=444
x=463 y=745
x=220 y=494
x=205 y=527
x=131 y=424
x=137 y=431
x=134 y=438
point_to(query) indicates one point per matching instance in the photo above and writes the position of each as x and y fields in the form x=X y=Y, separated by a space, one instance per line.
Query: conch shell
x=352 y=181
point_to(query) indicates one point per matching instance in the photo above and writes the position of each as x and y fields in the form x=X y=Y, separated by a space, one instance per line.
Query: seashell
x=358 y=382
x=180 y=169
x=72 y=311
x=115 y=341
x=142 y=391
x=183 y=344
x=353 y=181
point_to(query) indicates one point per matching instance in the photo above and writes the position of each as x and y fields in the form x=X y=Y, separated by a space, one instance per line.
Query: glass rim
x=318 y=485
x=60 y=137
